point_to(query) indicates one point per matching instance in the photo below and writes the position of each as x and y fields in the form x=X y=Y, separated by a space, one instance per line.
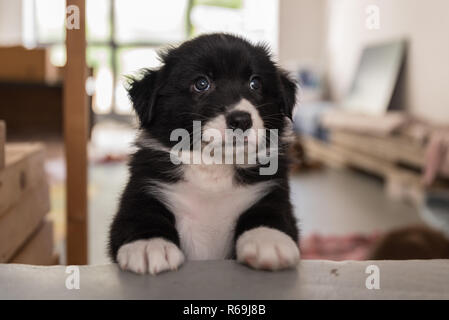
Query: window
x=124 y=36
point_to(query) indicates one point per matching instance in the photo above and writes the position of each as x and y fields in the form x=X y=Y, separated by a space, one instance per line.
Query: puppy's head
x=221 y=80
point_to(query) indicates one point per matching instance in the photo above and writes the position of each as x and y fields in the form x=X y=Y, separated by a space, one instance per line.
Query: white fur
x=217 y=123
x=206 y=205
x=245 y=105
x=150 y=256
x=267 y=248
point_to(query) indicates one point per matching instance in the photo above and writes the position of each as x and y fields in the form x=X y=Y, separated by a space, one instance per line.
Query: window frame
x=115 y=46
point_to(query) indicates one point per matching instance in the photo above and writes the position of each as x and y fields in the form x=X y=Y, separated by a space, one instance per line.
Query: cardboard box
x=20 y=221
x=23 y=171
x=23 y=65
x=38 y=249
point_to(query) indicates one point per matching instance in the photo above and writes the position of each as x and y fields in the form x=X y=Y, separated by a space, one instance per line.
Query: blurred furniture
x=395 y=159
x=394 y=147
x=25 y=235
x=226 y=279
x=28 y=65
x=376 y=78
x=32 y=110
x=31 y=91
x=31 y=88
x=38 y=103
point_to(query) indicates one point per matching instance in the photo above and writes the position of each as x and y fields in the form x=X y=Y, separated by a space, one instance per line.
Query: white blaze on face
x=245 y=105
x=216 y=135
x=219 y=123
x=216 y=124
x=256 y=134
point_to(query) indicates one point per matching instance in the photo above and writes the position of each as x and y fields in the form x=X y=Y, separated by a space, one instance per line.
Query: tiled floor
x=327 y=202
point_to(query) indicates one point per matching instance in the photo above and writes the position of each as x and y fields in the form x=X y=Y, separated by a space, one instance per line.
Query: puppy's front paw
x=150 y=256
x=267 y=248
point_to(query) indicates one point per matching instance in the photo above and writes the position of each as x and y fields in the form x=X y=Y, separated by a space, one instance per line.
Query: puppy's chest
x=206 y=206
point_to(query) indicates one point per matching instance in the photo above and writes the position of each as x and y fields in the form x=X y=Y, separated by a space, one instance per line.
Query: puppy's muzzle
x=239 y=120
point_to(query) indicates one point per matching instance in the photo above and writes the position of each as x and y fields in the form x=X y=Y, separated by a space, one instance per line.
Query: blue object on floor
x=435 y=211
x=307 y=119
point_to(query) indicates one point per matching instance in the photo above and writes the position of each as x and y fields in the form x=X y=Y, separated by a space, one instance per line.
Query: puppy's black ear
x=288 y=88
x=143 y=95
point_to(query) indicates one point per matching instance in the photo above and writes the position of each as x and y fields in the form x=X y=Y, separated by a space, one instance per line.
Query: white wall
x=10 y=22
x=426 y=26
x=332 y=33
x=302 y=32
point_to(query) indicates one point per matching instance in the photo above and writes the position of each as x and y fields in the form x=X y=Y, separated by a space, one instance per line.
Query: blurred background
x=370 y=162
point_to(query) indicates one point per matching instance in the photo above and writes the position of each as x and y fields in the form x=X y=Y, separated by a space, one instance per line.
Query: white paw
x=267 y=248
x=150 y=256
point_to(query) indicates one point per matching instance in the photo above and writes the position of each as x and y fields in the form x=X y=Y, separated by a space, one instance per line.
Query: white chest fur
x=206 y=205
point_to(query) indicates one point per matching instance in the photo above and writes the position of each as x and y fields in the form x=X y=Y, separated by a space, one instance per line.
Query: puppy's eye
x=201 y=84
x=255 y=83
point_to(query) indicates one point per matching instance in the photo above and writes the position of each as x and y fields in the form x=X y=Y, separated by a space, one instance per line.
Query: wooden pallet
x=394 y=149
x=376 y=158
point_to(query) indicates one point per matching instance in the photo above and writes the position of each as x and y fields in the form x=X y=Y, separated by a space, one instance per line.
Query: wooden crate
x=2 y=144
x=23 y=172
x=38 y=249
x=25 y=65
x=20 y=221
x=394 y=149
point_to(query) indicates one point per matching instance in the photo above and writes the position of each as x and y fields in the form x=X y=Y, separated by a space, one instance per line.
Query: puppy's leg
x=267 y=248
x=153 y=256
x=143 y=237
x=266 y=234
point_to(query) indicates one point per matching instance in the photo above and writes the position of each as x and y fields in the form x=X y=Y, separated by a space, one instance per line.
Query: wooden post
x=75 y=139
x=2 y=143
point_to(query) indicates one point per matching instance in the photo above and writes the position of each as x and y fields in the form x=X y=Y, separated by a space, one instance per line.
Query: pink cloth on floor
x=338 y=248
x=437 y=156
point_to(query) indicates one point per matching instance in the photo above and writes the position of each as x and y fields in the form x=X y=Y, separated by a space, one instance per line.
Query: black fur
x=164 y=100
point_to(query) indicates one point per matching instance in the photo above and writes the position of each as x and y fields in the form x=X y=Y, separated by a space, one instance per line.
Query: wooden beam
x=2 y=143
x=75 y=138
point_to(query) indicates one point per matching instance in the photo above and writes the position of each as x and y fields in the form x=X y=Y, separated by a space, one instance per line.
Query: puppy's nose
x=239 y=120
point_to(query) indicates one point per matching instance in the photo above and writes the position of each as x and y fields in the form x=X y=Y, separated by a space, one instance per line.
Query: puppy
x=173 y=209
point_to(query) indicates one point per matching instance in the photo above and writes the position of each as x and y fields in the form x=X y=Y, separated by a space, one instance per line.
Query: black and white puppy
x=172 y=211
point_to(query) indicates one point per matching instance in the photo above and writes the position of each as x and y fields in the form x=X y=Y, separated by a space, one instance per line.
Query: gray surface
x=229 y=280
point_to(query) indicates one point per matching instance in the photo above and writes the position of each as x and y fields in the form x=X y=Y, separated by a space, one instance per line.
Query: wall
x=426 y=26
x=10 y=22
x=301 y=32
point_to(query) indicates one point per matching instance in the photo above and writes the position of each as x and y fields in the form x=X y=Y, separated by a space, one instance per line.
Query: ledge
x=313 y=279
